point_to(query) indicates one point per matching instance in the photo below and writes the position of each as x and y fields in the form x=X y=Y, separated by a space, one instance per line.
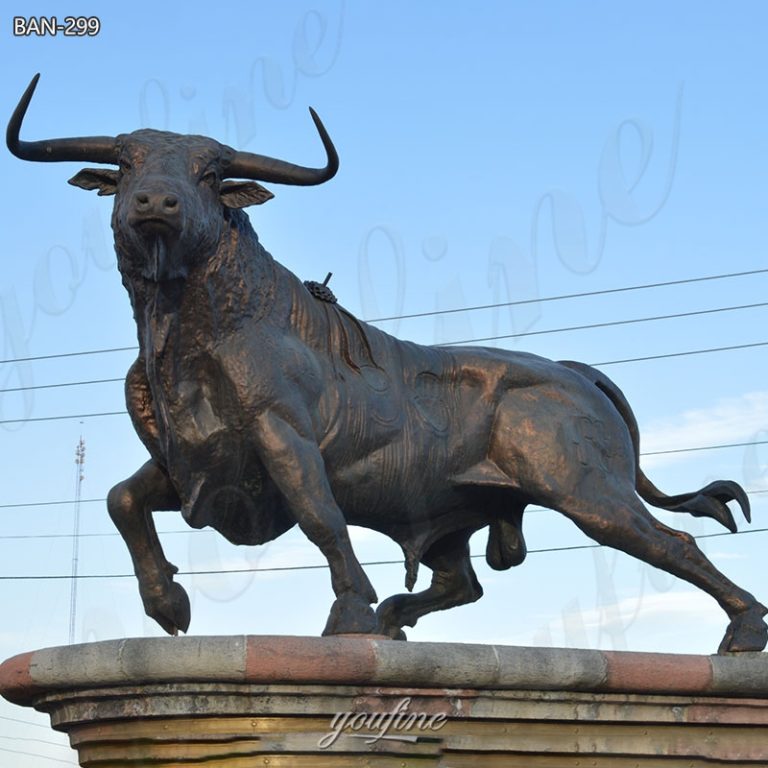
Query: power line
x=24 y=504
x=24 y=722
x=322 y=566
x=187 y=531
x=682 y=354
x=35 y=754
x=685 y=353
x=49 y=503
x=105 y=534
x=610 y=324
x=519 y=302
x=62 y=384
x=605 y=363
x=543 y=299
x=62 y=418
x=467 y=341
x=37 y=741
x=704 y=448
x=104 y=501
x=601 y=546
x=68 y=354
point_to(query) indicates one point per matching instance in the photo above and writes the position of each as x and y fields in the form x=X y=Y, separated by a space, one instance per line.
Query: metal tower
x=80 y=464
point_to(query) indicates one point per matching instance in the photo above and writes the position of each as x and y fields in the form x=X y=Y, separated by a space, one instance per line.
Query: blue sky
x=495 y=153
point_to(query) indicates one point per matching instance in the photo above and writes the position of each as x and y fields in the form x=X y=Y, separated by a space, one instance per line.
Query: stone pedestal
x=232 y=702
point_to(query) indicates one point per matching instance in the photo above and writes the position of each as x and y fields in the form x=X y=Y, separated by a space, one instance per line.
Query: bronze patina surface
x=264 y=404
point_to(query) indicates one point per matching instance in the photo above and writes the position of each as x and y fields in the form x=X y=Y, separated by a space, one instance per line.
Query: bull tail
x=710 y=501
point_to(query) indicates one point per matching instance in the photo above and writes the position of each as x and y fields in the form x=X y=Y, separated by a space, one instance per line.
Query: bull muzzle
x=155 y=212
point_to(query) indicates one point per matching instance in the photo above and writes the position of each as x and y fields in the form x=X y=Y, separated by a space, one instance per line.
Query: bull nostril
x=142 y=199
x=170 y=202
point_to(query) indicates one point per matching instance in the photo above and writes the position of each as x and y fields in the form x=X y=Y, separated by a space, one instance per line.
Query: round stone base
x=363 y=701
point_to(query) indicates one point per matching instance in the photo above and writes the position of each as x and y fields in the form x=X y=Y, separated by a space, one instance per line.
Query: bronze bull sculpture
x=264 y=404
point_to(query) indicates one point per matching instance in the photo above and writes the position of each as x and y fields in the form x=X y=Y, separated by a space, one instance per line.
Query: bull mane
x=345 y=338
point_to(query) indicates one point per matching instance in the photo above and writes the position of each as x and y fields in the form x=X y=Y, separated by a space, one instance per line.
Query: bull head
x=168 y=202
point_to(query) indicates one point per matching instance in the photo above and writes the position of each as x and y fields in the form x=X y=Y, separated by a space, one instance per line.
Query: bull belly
x=413 y=502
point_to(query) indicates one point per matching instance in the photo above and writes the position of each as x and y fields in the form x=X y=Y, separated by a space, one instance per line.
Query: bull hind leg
x=453 y=583
x=130 y=505
x=621 y=521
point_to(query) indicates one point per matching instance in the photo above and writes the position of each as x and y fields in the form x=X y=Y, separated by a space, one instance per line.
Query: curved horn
x=245 y=165
x=91 y=149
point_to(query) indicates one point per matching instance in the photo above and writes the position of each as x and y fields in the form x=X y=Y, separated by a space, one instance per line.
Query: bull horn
x=246 y=165
x=91 y=149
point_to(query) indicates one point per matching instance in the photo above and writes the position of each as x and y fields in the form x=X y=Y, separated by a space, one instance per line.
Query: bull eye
x=125 y=166
x=210 y=178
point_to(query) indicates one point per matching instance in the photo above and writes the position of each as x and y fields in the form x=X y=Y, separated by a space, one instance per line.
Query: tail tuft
x=711 y=501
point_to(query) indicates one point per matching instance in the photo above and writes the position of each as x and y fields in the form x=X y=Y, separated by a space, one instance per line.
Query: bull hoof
x=393 y=633
x=350 y=615
x=171 y=609
x=386 y=616
x=746 y=632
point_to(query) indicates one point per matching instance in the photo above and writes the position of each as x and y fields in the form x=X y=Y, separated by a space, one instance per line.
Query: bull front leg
x=295 y=464
x=130 y=504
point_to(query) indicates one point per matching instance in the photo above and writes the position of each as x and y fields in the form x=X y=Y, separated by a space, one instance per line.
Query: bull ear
x=241 y=194
x=102 y=179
